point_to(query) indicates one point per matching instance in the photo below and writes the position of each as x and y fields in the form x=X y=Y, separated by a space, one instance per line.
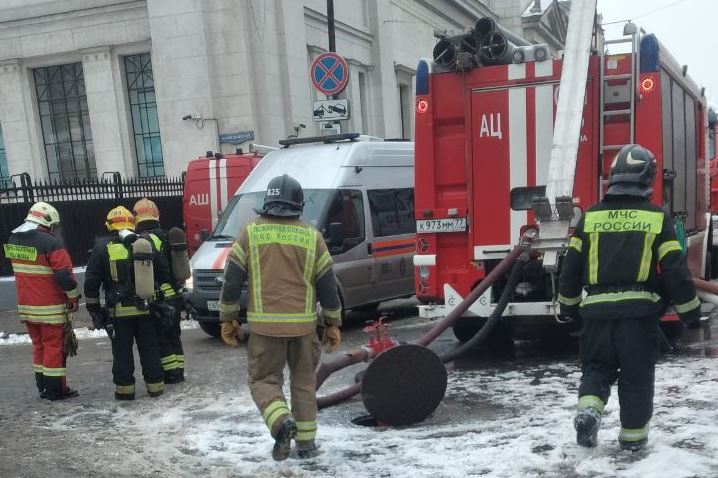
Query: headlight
x=424 y=272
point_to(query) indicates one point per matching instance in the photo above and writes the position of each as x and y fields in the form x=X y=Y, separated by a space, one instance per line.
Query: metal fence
x=83 y=206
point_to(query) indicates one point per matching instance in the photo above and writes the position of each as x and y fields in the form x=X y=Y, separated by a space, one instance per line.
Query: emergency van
x=358 y=191
x=210 y=183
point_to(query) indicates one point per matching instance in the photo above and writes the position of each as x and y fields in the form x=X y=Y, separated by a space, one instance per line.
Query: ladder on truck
x=631 y=36
x=554 y=212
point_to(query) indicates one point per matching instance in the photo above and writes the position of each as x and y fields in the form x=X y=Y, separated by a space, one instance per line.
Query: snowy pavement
x=500 y=418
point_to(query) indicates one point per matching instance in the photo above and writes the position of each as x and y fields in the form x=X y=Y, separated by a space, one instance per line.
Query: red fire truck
x=483 y=145
x=210 y=183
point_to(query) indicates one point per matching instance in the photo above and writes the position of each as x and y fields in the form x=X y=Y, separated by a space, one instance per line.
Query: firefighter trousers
x=127 y=331
x=625 y=350
x=170 y=343
x=267 y=357
x=48 y=361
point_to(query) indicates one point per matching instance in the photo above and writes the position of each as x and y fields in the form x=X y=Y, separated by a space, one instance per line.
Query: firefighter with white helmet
x=167 y=318
x=288 y=269
x=625 y=254
x=125 y=266
x=47 y=294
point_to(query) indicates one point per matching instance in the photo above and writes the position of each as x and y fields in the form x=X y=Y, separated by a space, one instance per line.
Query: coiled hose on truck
x=498 y=272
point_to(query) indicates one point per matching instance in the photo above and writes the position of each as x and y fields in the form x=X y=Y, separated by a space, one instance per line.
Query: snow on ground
x=80 y=332
x=494 y=422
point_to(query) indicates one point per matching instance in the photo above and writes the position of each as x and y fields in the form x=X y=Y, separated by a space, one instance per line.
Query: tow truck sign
x=323 y=110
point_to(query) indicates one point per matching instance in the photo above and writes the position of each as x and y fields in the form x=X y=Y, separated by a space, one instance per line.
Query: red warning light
x=647 y=85
x=422 y=105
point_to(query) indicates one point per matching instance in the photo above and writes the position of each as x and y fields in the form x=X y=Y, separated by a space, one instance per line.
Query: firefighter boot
x=633 y=439
x=61 y=394
x=307 y=450
x=587 y=423
x=283 y=440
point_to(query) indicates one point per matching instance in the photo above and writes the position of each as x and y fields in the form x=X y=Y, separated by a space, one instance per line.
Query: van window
x=392 y=211
x=345 y=221
x=241 y=210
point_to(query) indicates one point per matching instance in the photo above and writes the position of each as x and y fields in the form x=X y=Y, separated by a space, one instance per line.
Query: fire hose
x=358 y=356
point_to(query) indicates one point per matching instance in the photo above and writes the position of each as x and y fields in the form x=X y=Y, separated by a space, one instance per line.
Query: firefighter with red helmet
x=47 y=294
x=128 y=274
x=147 y=224
x=288 y=269
x=625 y=254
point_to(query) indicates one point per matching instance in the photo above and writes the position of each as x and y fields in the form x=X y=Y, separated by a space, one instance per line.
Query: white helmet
x=43 y=214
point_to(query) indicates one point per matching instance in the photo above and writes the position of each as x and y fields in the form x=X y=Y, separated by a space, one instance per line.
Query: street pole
x=330 y=26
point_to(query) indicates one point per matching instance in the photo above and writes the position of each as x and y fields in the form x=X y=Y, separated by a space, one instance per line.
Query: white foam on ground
x=493 y=423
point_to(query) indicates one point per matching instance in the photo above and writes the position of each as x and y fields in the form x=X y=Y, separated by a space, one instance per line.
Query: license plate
x=213 y=305
x=454 y=224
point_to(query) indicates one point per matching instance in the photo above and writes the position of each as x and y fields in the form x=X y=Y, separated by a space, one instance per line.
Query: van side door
x=345 y=233
x=394 y=240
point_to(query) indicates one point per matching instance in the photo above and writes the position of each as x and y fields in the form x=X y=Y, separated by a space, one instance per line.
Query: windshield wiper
x=220 y=237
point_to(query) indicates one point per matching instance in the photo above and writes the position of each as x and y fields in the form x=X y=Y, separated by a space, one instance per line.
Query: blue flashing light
x=422 y=78
x=650 y=54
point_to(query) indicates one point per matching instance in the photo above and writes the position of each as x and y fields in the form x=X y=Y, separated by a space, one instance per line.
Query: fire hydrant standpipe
x=348 y=359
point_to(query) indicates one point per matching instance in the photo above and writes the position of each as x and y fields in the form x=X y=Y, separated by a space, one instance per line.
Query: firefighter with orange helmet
x=147 y=224
x=46 y=295
x=625 y=254
x=125 y=267
x=288 y=269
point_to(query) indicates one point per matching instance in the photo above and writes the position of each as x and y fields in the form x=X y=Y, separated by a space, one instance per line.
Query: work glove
x=232 y=333
x=72 y=304
x=69 y=346
x=332 y=338
x=97 y=316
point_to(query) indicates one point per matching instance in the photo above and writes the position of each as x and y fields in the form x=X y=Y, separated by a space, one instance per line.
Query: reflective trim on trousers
x=633 y=434
x=274 y=411
x=125 y=389
x=54 y=372
x=619 y=297
x=562 y=299
x=591 y=401
x=155 y=387
x=306 y=431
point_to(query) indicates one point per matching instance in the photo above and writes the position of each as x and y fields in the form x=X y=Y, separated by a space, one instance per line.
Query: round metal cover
x=404 y=385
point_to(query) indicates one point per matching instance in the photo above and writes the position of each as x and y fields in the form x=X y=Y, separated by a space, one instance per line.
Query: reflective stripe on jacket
x=43 y=276
x=282 y=258
x=625 y=253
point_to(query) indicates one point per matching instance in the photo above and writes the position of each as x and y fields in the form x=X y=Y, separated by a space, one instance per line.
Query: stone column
x=102 y=103
x=21 y=149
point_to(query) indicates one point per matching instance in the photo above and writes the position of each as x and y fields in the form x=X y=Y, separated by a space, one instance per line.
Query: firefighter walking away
x=126 y=266
x=167 y=313
x=625 y=254
x=47 y=295
x=288 y=269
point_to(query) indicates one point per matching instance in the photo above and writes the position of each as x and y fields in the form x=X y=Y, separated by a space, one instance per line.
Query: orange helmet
x=146 y=210
x=120 y=218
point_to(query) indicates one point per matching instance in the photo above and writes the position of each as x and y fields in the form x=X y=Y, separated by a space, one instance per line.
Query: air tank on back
x=178 y=255
x=142 y=257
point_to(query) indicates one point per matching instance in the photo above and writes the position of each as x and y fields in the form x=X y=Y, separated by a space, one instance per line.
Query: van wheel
x=210 y=328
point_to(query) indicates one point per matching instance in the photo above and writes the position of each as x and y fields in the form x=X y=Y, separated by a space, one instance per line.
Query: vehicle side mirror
x=335 y=233
x=203 y=235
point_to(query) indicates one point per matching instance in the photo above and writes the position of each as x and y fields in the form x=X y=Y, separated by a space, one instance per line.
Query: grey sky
x=687 y=28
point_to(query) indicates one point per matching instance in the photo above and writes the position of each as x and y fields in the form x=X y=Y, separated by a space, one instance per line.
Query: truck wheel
x=210 y=328
x=467 y=327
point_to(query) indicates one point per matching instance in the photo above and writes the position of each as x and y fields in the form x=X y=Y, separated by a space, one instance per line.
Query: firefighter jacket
x=289 y=269
x=43 y=276
x=160 y=242
x=625 y=253
x=111 y=268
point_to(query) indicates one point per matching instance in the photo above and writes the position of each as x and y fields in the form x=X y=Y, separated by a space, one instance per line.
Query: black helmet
x=284 y=198
x=633 y=172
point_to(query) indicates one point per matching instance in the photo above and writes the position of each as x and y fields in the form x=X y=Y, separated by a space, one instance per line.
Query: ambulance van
x=358 y=192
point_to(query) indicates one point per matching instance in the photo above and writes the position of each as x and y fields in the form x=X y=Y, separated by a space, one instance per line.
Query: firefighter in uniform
x=625 y=253
x=288 y=269
x=147 y=224
x=125 y=317
x=46 y=294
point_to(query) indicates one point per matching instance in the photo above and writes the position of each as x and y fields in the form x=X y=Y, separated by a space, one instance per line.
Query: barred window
x=62 y=103
x=145 y=122
x=4 y=175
